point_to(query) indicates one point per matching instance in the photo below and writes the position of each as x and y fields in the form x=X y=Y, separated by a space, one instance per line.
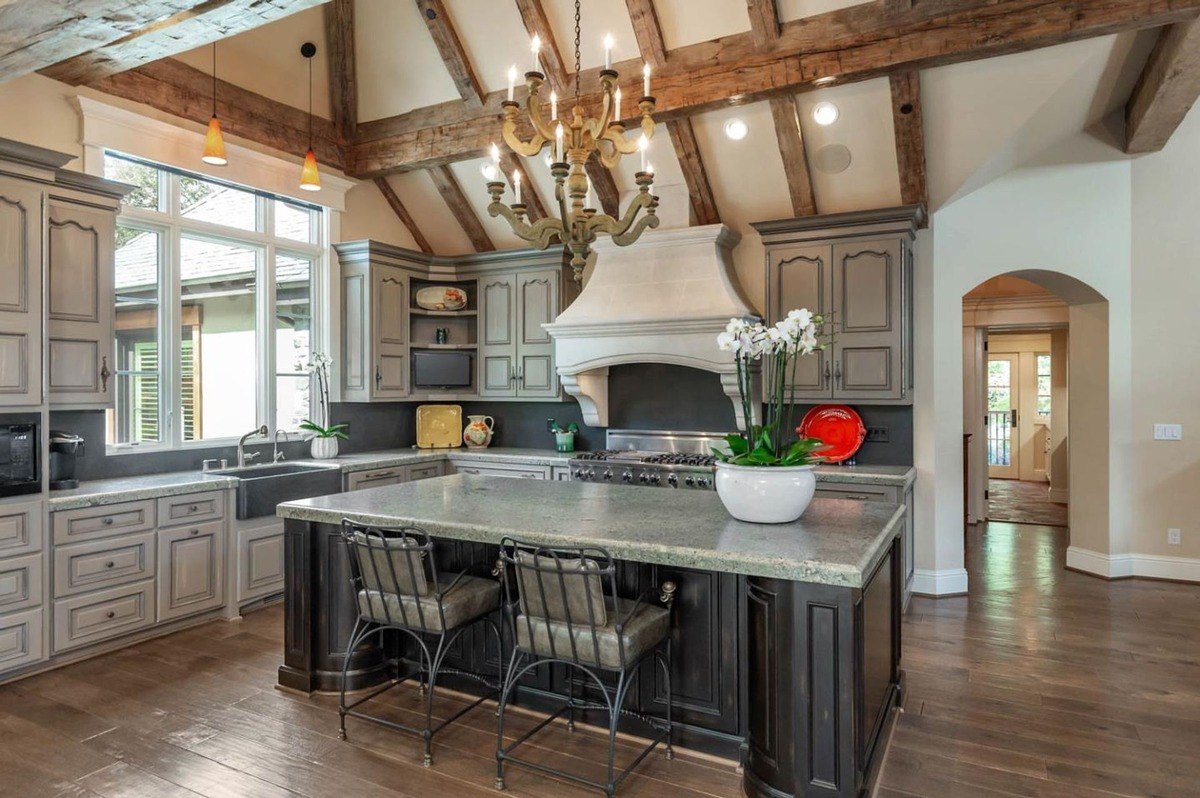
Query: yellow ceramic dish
x=439 y=426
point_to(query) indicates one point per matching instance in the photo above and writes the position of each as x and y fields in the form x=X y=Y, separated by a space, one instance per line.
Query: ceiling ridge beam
x=704 y=204
x=764 y=21
x=510 y=163
x=533 y=15
x=1166 y=90
x=648 y=31
x=343 y=83
x=201 y=24
x=451 y=49
x=402 y=213
x=795 y=158
x=910 y=138
x=447 y=185
x=836 y=47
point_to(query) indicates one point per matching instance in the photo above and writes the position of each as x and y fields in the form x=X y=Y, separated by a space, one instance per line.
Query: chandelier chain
x=577 y=35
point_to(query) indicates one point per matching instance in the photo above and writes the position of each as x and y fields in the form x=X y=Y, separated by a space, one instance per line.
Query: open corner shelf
x=442 y=313
x=445 y=346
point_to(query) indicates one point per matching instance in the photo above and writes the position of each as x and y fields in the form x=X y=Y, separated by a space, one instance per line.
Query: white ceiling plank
x=399 y=66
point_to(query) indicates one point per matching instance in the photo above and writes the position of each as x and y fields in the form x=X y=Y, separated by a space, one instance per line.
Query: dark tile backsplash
x=641 y=396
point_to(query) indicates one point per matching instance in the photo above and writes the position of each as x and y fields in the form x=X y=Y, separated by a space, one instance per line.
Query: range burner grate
x=675 y=458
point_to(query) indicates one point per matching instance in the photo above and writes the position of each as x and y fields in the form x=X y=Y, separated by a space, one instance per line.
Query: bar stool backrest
x=396 y=561
x=573 y=586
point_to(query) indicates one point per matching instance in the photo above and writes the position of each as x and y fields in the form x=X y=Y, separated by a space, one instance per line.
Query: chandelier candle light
x=572 y=140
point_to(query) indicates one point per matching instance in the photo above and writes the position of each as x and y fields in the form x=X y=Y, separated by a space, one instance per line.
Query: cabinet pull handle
x=837 y=373
x=108 y=521
x=470 y=470
x=378 y=474
x=378 y=376
x=857 y=497
x=826 y=375
x=111 y=614
x=104 y=374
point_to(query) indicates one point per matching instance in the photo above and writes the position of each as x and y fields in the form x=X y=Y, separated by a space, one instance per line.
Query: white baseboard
x=1119 y=566
x=1060 y=495
x=950 y=582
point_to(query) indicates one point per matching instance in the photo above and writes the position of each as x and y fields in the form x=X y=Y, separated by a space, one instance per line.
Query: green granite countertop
x=837 y=542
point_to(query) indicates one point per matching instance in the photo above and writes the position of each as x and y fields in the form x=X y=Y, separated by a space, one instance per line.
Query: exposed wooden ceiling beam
x=193 y=25
x=452 y=52
x=648 y=32
x=343 y=87
x=764 y=21
x=177 y=89
x=851 y=44
x=405 y=217
x=795 y=160
x=1166 y=90
x=910 y=138
x=536 y=22
x=510 y=163
x=604 y=186
x=447 y=185
x=704 y=205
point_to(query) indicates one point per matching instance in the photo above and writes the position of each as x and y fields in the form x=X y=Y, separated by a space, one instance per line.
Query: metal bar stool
x=398 y=587
x=562 y=606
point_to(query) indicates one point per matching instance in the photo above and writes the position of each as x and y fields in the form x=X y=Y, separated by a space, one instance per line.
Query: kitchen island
x=787 y=636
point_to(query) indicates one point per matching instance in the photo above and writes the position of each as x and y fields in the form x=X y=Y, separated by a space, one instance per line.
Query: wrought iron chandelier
x=572 y=142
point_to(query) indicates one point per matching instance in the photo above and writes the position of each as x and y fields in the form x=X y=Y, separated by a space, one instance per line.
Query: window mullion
x=266 y=331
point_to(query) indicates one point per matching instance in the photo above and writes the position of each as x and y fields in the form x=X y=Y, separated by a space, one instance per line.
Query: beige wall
x=1060 y=418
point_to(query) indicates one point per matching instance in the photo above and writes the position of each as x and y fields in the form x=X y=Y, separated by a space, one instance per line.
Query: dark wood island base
x=796 y=680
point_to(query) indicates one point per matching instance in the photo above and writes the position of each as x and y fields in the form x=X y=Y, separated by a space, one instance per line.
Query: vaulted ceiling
x=934 y=96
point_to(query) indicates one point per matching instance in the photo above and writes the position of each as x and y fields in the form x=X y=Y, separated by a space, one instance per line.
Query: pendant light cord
x=214 y=78
x=310 y=111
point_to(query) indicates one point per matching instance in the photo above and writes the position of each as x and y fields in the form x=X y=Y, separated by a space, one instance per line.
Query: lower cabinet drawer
x=191 y=508
x=493 y=470
x=21 y=641
x=424 y=471
x=20 y=528
x=21 y=583
x=89 y=523
x=92 y=617
x=103 y=563
x=260 y=562
x=191 y=569
x=862 y=493
x=373 y=479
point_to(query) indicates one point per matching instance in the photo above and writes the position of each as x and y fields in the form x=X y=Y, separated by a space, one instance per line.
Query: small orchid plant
x=782 y=344
x=318 y=364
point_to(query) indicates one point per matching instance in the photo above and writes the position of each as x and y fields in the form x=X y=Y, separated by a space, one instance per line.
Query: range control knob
x=627 y=476
x=644 y=478
x=701 y=482
x=655 y=479
x=673 y=480
x=577 y=473
x=608 y=473
x=689 y=480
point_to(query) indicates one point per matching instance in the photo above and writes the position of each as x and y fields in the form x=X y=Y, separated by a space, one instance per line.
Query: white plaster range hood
x=662 y=300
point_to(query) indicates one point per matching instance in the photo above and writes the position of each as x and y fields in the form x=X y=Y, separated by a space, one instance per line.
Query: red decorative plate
x=838 y=426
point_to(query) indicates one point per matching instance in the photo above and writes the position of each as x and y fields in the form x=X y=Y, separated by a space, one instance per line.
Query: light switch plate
x=1168 y=432
x=1174 y=537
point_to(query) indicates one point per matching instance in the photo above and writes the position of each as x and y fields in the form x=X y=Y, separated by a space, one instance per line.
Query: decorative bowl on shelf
x=441 y=297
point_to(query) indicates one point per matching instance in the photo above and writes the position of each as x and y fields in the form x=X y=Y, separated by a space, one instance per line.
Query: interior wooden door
x=1003 y=403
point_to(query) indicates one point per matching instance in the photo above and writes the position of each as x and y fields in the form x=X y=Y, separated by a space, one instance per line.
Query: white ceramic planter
x=324 y=448
x=765 y=495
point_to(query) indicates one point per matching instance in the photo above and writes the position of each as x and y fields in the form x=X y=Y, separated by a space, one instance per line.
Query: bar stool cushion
x=470 y=598
x=577 y=593
x=645 y=630
x=393 y=563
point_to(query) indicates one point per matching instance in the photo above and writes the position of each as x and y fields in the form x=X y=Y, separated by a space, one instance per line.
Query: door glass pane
x=211 y=202
x=217 y=331
x=137 y=414
x=292 y=338
x=999 y=385
x=146 y=180
x=1043 y=385
x=999 y=399
x=293 y=221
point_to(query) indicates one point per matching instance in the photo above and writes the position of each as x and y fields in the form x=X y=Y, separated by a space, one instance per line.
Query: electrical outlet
x=1174 y=537
x=1168 y=432
x=877 y=434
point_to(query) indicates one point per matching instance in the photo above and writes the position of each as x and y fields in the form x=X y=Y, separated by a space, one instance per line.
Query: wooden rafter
x=343 y=87
x=764 y=21
x=191 y=25
x=910 y=138
x=536 y=22
x=604 y=186
x=510 y=163
x=795 y=160
x=452 y=52
x=405 y=217
x=447 y=185
x=704 y=205
x=1166 y=90
x=850 y=44
x=175 y=88
x=648 y=32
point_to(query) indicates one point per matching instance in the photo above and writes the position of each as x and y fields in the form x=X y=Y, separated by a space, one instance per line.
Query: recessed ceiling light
x=489 y=172
x=825 y=113
x=736 y=129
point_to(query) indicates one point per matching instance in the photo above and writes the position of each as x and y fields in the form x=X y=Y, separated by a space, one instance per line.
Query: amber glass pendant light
x=214 y=143
x=310 y=178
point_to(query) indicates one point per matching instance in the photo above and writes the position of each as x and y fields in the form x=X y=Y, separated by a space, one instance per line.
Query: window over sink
x=214 y=308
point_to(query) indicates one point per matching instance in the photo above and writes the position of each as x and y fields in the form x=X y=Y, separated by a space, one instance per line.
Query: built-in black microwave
x=19 y=472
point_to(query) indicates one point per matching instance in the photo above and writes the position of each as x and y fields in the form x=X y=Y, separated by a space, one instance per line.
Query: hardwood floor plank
x=123 y=780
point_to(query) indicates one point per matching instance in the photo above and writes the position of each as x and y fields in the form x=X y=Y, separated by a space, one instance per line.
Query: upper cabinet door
x=20 y=293
x=390 y=332
x=800 y=277
x=868 y=290
x=498 y=335
x=537 y=305
x=81 y=246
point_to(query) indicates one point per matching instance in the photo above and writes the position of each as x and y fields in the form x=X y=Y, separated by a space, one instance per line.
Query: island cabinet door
x=704 y=637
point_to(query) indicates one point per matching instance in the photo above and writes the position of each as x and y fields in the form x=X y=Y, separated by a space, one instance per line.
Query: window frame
x=172 y=226
x=1037 y=394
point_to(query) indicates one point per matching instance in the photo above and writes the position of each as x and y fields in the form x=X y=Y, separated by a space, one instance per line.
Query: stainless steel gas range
x=652 y=458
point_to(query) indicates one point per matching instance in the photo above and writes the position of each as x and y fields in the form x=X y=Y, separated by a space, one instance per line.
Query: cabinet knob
x=111 y=614
x=193 y=508
x=109 y=564
x=108 y=521
x=195 y=531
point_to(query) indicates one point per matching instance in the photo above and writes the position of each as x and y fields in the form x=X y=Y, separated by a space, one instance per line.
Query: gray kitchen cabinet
x=21 y=641
x=92 y=617
x=191 y=567
x=21 y=583
x=417 y=471
x=20 y=293
x=500 y=469
x=361 y=480
x=891 y=494
x=259 y=558
x=20 y=528
x=103 y=563
x=855 y=269
x=374 y=313
x=516 y=356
